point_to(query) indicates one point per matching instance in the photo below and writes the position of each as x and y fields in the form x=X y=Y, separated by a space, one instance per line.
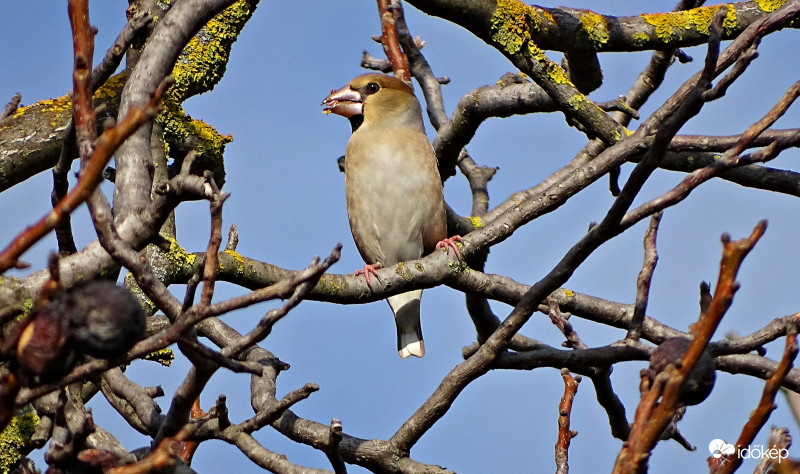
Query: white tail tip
x=416 y=349
x=409 y=332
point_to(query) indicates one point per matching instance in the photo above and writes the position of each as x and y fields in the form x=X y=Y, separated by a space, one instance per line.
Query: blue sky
x=288 y=204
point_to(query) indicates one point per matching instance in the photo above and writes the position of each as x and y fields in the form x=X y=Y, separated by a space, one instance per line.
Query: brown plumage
x=392 y=186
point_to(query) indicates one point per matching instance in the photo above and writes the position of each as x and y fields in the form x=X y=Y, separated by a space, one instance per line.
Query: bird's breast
x=394 y=195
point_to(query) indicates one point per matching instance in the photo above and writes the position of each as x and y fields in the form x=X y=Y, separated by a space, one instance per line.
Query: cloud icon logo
x=718 y=448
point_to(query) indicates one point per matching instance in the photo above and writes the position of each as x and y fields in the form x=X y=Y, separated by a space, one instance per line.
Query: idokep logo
x=719 y=448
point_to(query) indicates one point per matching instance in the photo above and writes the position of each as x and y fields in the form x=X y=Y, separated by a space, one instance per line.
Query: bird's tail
x=405 y=307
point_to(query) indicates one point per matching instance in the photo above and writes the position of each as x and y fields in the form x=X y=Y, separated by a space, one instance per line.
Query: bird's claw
x=449 y=243
x=367 y=270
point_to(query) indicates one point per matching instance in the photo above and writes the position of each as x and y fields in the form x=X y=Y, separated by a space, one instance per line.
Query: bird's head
x=375 y=99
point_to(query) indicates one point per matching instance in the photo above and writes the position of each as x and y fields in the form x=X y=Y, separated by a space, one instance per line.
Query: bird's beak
x=345 y=102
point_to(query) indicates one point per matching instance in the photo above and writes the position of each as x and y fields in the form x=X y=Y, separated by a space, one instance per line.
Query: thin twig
x=280 y=289
x=66 y=241
x=211 y=260
x=11 y=107
x=220 y=411
x=116 y=52
x=162 y=458
x=565 y=435
x=390 y=44
x=562 y=323
x=419 y=68
x=332 y=450
x=722 y=85
x=609 y=400
x=645 y=278
x=83 y=44
x=758 y=417
x=264 y=327
x=189 y=447
x=99 y=75
x=659 y=404
x=266 y=417
x=233 y=239
x=778 y=441
x=771 y=117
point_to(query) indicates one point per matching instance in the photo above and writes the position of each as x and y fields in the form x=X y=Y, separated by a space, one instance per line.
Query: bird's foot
x=449 y=243
x=367 y=270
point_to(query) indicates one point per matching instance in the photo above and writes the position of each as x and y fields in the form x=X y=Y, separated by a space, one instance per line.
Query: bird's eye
x=373 y=87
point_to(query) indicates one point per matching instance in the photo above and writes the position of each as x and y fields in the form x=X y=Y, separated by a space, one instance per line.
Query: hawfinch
x=392 y=186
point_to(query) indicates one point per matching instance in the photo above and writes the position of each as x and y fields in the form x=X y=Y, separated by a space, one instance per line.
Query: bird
x=393 y=190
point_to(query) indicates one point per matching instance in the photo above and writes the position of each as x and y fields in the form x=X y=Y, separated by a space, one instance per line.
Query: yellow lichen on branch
x=594 y=29
x=199 y=68
x=203 y=61
x=511 y=25
x=769 y=5
x=15 y=437
x=671 y=26
x=162 y=356
x=179 y=126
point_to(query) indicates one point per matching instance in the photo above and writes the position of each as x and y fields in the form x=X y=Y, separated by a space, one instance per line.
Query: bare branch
x=210 y=264
x=132 y=402
x=765 y=406
x=659 y=403
x=645 y=277
x=11 y=107
x=564 y=434
x=772 y=116
x=390 y=44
